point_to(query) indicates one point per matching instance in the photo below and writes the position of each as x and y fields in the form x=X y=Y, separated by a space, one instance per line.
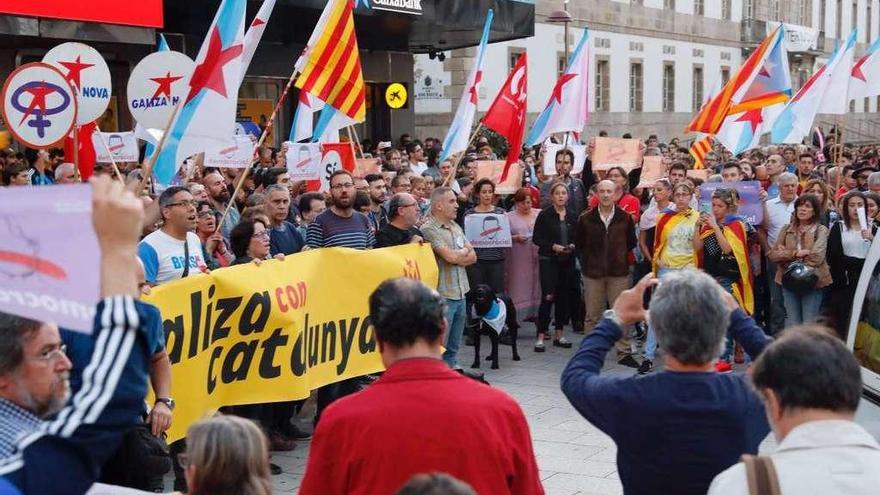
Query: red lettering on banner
x=291 y=297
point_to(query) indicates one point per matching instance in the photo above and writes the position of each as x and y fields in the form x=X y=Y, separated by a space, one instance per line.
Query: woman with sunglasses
x=214 y=249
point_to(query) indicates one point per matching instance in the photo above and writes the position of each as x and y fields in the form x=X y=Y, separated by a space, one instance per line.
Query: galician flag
x=865 y=76
x=761 y=97
x=329 y=121
x=206 y=118
x=459 y=132
x=795 y=121
x=303 y=118
x=835 y=101
x=254 y=34
x=568 y=107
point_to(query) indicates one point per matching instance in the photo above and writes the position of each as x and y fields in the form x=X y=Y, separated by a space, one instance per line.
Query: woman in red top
x=627 y=202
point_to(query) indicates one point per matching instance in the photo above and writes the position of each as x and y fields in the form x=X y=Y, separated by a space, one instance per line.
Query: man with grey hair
x=284 y=238
x=403 y=214
x=65 y=174
x=777 y=214
x=874 y=182
x=677 y=429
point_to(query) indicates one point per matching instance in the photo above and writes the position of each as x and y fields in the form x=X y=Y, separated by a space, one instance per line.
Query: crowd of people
x=589 y=251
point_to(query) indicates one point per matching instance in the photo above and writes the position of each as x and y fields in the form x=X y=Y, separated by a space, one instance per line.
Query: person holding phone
x=848 y=245
x=554 y=236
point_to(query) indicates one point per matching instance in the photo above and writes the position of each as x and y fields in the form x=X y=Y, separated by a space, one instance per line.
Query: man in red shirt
x=421 y=416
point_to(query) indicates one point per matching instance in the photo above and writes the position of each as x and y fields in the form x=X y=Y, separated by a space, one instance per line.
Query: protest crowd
x=693 y=265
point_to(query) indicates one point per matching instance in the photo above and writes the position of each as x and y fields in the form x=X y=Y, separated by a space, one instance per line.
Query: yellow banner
x=253 y=334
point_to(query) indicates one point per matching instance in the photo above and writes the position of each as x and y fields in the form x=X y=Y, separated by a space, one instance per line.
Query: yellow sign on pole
x=395 y=95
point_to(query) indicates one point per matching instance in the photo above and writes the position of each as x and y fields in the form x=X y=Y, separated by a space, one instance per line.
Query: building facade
x=653 y=62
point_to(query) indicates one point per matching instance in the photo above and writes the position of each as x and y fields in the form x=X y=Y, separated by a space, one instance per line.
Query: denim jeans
x=455 y=319
x=776 y=321
x=801 y=308
x=650 y=351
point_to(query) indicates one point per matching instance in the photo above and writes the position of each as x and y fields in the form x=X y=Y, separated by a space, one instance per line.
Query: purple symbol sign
x=39 y=90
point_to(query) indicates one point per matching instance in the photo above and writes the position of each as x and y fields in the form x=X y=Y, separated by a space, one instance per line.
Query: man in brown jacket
x=604 y=237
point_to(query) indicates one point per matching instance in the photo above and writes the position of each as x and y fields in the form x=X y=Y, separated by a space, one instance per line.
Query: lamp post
x=564 y=18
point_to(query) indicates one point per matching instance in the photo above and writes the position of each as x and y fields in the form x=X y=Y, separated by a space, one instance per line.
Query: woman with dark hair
x=626 y=202
x=554 y=236
x=872 y=207
x=250 y=240
x=804 y=240
x=722 y=252
x=214 y=249
x=848 y=246
x=822 y=190
x=523 y=284
x=489 y=268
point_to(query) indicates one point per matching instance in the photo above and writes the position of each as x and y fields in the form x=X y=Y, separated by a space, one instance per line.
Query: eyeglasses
x=347 y=185
x=191 y=202
x=52 y=355
x=207 y=213
x=261 y=235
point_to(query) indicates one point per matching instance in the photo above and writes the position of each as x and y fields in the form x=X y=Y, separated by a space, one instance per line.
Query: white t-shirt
x=163 y=256
x=780 y=216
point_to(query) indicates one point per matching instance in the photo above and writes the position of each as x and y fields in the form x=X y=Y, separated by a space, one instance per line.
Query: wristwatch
x=168 y=401
x=612 y=315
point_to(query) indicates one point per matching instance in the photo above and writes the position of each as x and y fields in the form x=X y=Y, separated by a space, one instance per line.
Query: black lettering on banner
x=225 y=308
x=195 y=302
x=347 y=335
x=206 y=338
x=298 y=354
x=365 y=344
x=174 y=328
x=270 y=345
x=328 y=337
x=247 y=324
x=233 y=371
x=212 y=380
x=313 y=342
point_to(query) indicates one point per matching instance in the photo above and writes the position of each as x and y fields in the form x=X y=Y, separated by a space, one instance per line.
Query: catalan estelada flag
x=699 y=150
x=735 y=232
x=330 y=66
x=712 y=115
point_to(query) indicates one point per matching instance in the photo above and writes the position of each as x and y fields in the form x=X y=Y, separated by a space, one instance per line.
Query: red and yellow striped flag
x=699 y=150
x=330 y=66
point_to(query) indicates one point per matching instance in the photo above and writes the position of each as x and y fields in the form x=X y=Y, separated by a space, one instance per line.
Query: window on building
x=777 y=10
x=725 y=10
x=669 y=87
x=839 y=27
x=699 y=7
x=512 y=56
x=852 y=106
x=868 y=23
x=560 y=63
x=669 y=5
x=867 y=105
x=698 y=89
x=855 y=17
x=725 y=75
x=635 y=87
x=602 y=86
x=748 y=9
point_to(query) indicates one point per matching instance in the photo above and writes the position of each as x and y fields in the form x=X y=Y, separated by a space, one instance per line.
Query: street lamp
x=563 y=17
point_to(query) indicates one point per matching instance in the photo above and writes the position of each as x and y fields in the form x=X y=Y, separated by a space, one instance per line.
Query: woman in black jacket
x=554 y=236
x=848 y=246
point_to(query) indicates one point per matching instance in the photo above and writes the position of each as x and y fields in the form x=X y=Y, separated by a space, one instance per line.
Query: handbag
x=761 y=475
x=799 y=277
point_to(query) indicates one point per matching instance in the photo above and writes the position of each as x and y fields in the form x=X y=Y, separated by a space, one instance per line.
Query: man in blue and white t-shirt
x=174 y=251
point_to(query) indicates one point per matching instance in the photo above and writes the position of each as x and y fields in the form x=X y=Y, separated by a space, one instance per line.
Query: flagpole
x=461 y=155
x=110 y=154
x=148 y=169
x=358 y=140
x=351 y=141
x=76 y=174
x=259 y=145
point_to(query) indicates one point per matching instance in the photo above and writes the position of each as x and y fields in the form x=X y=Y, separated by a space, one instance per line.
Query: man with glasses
x=401 y=229
x=174 y=251
x=65 y=455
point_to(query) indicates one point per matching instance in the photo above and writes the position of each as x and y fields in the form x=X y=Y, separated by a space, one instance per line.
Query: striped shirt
x=331 y=230
x=452 y=281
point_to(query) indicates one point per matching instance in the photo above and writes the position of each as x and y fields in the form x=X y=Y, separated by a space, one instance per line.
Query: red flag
x=507 y=115
x=87 y=155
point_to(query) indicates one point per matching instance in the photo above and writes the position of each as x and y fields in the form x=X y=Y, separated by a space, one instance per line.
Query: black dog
x=483 y=298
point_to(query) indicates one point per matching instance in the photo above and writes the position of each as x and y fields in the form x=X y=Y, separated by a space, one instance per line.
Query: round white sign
x=330 y=162
x=85 y=70
x=157 y=84
x=39 y=105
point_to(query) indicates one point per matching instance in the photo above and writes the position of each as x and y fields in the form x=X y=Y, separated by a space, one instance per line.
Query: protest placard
x=487 y=230
x=49 y=255
x=550 y=150
x=698 y=173
x=123 y=147
x=492 y=169
x=751 y=208
x=304 y=161
x=616 y=152
x=366 y=166
x=255 y=334
x=238 y=153
x=652 y=169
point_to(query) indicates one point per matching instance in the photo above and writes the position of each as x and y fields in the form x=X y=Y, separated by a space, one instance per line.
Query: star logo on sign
x=74 y=70
x=209 y=73
x=164 y=84
x=766 y=68
x=38 y=102
x=473 y=90
x=557 y=90
x=754 y=117
x=857 y=69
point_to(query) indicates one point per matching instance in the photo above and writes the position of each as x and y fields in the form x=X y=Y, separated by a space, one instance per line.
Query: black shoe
x=628 y=361
x=539 y=348
x=294 y=432
x=561 y=342
x=274 y=468
x=646 y=367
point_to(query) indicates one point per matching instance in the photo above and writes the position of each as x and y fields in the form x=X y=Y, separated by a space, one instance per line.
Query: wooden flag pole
x=76 y=175
x=351 y=139
x=258 y=145
x=148 y=169
x=110 y=154
x=358 y=140
x=457 y=161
